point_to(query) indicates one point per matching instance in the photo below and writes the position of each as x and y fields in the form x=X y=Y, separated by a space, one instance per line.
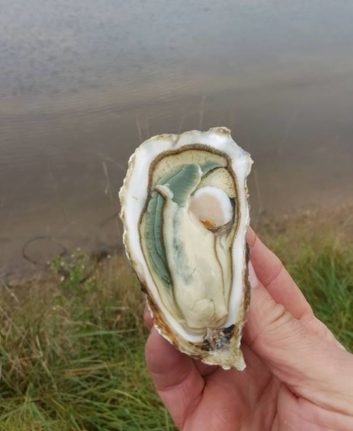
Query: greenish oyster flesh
x=185 y=213
x=189 y=256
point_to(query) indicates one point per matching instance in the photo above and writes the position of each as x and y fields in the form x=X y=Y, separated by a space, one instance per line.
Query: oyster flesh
x=185 y=214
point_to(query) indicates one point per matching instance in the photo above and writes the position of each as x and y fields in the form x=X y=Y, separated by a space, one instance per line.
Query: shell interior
x=185 y=212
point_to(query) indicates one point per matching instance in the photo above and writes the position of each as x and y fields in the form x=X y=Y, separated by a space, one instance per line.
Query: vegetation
x=71 y=343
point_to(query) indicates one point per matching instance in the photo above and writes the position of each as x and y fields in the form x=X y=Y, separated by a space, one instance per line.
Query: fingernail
x=253 y=281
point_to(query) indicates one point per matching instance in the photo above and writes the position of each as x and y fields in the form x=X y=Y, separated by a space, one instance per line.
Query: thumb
x=307 y=363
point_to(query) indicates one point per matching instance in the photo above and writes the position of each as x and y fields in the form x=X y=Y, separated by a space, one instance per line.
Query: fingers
x=305 y=361
x=147 y=317
x=281 y=286
x=272 y=274
x=177 y=380
x=270 y=328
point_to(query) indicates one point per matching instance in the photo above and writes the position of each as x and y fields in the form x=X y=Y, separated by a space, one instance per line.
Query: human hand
x=298 y=377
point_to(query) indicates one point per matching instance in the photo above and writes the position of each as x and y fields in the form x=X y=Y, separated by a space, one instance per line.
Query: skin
x=298 y=377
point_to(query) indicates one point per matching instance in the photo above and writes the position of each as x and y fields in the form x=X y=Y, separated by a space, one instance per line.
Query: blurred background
x=83 y=82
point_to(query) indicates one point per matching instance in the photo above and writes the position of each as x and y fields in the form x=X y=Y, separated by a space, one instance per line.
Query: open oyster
x=185 y=214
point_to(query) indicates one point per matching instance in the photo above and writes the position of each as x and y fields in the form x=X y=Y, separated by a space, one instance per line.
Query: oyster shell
x=185 y=214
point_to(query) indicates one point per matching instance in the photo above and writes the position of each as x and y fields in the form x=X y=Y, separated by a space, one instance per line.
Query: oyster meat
x=185 y=213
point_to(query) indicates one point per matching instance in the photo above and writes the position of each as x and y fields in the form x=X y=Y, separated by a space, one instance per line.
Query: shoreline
x=294 y=228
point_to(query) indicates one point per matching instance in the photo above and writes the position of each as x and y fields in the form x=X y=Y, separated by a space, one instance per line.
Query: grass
x=71 y=343
x=71 y=352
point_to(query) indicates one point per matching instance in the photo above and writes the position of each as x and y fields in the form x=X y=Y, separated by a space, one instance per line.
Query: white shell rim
x=133 y=195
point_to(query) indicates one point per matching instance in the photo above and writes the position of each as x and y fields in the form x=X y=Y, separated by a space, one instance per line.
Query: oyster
x=185 y=214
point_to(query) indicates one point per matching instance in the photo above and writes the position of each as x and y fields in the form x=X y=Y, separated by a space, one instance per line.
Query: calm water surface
x=83 y=82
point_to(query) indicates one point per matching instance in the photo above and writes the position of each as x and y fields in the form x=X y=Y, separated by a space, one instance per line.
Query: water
x=82 y=83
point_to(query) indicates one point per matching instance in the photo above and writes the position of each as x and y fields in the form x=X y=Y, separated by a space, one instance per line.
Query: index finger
x=273 y=275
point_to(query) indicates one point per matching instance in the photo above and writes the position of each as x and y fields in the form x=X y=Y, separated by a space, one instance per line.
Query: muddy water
x=82 y=83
